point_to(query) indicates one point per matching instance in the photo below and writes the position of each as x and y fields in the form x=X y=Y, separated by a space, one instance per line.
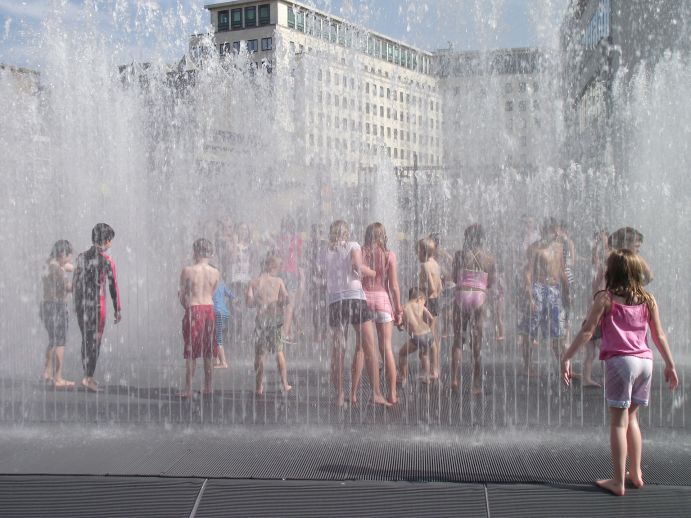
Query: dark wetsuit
x=93 y=269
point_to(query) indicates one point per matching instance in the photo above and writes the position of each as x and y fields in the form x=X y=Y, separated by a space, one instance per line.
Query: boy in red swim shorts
x=197 y=285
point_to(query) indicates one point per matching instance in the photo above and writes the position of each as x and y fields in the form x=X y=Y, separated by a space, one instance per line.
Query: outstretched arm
x=660 y=340
x=359 y=266
x=585 y=334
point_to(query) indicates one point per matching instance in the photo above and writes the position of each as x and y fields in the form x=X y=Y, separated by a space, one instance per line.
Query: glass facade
x=223 y=20
x=250 y=16
x=264 y=14
x=236 y=18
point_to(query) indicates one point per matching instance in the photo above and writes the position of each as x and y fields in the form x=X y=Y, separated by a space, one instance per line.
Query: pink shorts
x=627 y=380
x=470 y=300
x=380 y=305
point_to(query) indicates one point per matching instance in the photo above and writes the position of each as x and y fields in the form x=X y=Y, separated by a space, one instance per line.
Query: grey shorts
x=55 y=317
x=422 y=342
x=627 y=380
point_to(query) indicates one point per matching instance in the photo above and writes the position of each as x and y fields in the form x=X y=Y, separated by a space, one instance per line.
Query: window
x=509 y=106
x=236 y=18
x=223 y=20
x=521 y=86
x=367 y=88
x=224 y=48
x=508 y=88
x=267 y=43
x=367 y=128
x=250 y=16
x=251 y=45
x=264 y=14
x=522 y=105
x=236 y=46
x=381 y=111
x=291 y=18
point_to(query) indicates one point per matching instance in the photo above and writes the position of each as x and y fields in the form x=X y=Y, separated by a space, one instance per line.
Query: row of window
x=522 y=105
x=319 y=26
x=598 y=25
x=373 y=149
x=243 y=18
x=377 y=131
x=250 y=46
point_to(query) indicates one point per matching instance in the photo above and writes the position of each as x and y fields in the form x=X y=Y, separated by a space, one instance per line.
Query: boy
x=547 y=290
x=430 y=285
x=93 y=269
x=268 y=294
x=197 y=286
x=416 y=320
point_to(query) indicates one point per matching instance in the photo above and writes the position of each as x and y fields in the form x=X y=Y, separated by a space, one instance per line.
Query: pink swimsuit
x=477 y=282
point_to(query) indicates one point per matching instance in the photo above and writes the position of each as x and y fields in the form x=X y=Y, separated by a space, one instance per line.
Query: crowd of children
x=352 y=286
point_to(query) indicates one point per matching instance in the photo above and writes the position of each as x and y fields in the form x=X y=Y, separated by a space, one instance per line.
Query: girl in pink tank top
x=625 y=311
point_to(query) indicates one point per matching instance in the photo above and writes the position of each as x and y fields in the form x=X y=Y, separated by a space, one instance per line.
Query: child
x=54 y=313
x=268 y=294
x=221 y=315
x=430 y=284
x=348 y=304
x=94 y=268
x=474 y=271
x=625 y=311
x=416 y=320
x=197 y=286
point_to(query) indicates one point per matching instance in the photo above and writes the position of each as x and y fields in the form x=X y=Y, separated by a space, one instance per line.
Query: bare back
x=268 y=294
x=416 y=318
x=197 y=284
x=430 y=279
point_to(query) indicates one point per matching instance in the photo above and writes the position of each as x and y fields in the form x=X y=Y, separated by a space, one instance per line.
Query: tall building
x=360 y=100
x=604 y=42
x=499 y=110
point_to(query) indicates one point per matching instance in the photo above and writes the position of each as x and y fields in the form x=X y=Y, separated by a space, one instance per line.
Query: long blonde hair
x=376 y=245
x=338 y=233
x=624 y=277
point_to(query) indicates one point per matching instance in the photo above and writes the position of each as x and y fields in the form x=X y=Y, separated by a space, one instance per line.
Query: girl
x=474 y=271
x=54 y=313
x=347 y=304
x=625 y=311
x=381 y=291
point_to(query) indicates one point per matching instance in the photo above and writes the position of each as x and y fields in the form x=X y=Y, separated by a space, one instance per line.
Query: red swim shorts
x=198 y=332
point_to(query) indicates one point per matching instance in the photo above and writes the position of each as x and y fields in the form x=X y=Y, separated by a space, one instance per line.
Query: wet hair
x=426 y=247
x=415 y=293
x=375 y=234
x=473 y=237
x=270 y=262
x=623 y=237
x=548 y=225
x=338 y=233
x=203 y=248
x=61 y=248
x=101 y=233
x=624 y=277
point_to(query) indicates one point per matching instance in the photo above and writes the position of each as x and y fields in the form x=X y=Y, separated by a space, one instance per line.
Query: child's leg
x=58 y=363
x=208 y=370
x=356 y=369
x=456 y=351
x=48 y=368
x=634 y=447
x=366 y=332
x=259 y=374
x=190 y=366
x=619 y=423
x=476 y=336
x=434 y=350
x=283 y=370
x=407 y=349
x=222 y=362
x=337 y=358
x=384 y=331
x=424 y=364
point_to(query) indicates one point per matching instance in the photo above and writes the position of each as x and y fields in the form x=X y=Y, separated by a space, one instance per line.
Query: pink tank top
x=624 y=331
x=380 y=264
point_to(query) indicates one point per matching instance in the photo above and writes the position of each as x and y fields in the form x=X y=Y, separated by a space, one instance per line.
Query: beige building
x=360 y=101
x=500 y=110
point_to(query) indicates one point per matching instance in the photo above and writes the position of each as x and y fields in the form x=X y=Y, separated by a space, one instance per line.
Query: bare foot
x=455 y=386
x=379 y=400
x=401 y=381
x=500 y=338
x=287 y=389
x=63 y=384
x=260 y=391
x=576 y=375
x=46 y=377
x=220 y=365
x=612 y=486
x=185 y=394
x=90 y=385
x=477 y=391
x=591 y=383
x=636 y=481
x=424 y=379
x=353 y=399
x=393 y=400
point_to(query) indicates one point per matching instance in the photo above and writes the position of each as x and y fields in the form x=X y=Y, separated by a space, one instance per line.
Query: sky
x=136 y=24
